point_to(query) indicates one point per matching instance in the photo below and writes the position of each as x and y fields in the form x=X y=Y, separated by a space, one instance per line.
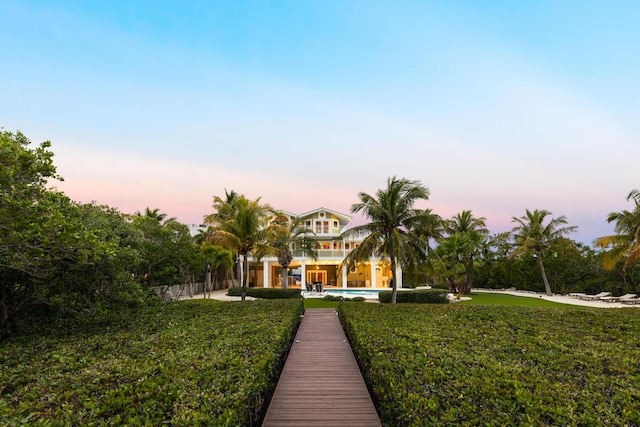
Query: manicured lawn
x=319 y=303
x=490 y=298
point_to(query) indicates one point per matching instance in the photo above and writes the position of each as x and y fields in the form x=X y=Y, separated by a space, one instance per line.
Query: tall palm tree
x=290 y=238
x=626 y=242
x=532 y=236
x=396 y=230
x=241 y=225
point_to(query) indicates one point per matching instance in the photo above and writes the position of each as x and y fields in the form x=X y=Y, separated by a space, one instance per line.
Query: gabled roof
x=344 y=219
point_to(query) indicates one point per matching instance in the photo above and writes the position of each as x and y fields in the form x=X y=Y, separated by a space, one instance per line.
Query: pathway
x=321 y=384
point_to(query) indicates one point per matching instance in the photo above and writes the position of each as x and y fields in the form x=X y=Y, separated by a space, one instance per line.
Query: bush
x=188 y=363
x=423 y=296
x=266 y=293
x=481 y=365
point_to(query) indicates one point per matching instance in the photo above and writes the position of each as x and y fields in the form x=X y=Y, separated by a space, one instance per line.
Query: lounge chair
x=619 y=299
x=577 y=294
x=630 y=301
x=595 y=297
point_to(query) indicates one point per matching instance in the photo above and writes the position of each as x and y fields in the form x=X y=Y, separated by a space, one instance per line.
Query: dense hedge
x=490 y=365
x=198 y=362
x=423 y=296
x=267 y=293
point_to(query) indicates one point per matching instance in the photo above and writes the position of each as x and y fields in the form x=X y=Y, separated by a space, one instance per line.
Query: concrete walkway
x=221 y=295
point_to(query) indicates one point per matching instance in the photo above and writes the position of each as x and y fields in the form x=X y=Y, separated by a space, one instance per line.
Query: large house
x=326 y=269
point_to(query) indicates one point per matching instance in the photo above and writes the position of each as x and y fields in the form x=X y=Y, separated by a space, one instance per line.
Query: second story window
x=322 y=227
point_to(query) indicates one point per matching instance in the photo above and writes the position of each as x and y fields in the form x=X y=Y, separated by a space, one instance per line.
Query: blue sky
x=496 y=106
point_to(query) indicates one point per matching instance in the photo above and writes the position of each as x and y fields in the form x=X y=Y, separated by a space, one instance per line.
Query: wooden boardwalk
x=321 y=384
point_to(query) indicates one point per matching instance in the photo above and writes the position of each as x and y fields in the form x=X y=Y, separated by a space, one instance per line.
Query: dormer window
x=335 y=224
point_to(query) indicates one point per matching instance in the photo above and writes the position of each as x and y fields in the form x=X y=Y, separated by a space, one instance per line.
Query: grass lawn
x=488 y=298
x=479 y=298
x=319 y=303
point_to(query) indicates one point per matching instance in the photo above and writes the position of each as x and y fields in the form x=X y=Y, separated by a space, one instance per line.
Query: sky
x=495 y=106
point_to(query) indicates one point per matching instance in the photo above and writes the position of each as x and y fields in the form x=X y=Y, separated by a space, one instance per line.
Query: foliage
x=625 y=244
x=470 y=365
x=168 y=254
x=397 y=231
x=460 y=252
x=572 y=267
x=217 y=261
x=531 y=236
x=241 y=225
x=267 y=293
x=420 y=296
x=160 y=365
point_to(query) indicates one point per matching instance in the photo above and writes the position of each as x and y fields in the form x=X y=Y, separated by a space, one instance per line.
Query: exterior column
x=399 y=276
x=303 y=274
x=374 y=279
x=344 y=275
x=265 y=275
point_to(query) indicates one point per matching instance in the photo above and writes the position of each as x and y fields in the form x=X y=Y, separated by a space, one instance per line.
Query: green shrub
x=266 y=293
x=197 y=362
x=498 y=365
x=422 y=296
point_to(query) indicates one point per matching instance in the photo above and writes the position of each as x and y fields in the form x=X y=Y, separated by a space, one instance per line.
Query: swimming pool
x=370 y=293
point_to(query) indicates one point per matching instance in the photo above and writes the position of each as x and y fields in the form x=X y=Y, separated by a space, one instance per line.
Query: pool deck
x=321 y=384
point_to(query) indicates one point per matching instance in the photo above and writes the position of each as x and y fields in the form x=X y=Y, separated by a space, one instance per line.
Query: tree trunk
x=547 y=288
x=394 y=281
x=245 y=265
x=285 y=276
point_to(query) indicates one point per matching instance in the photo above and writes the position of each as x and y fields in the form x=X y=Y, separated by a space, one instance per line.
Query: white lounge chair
x=595 y=297
x=630 y=301
x=577 y=294
x=619 y=299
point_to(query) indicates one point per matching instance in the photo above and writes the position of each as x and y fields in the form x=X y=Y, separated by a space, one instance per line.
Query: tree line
x=60 y=256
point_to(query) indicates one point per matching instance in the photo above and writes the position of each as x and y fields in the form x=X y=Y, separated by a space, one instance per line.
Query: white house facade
x=327 y=268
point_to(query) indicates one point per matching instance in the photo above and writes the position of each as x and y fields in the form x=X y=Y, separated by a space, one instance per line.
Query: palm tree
x=155 y=214
x=467 y=236
x=290 y=238
x=240 y=225
x=217 y=259
x=532 y=236
x=396 y=231
x=626 y=242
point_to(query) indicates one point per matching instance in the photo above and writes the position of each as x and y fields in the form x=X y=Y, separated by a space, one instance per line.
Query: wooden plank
x=321 y=384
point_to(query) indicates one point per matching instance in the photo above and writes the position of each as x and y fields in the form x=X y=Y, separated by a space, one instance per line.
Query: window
x=336 y=245
x=346 y=246
x=335 y=224
x=307 y=224
x=322 y=227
